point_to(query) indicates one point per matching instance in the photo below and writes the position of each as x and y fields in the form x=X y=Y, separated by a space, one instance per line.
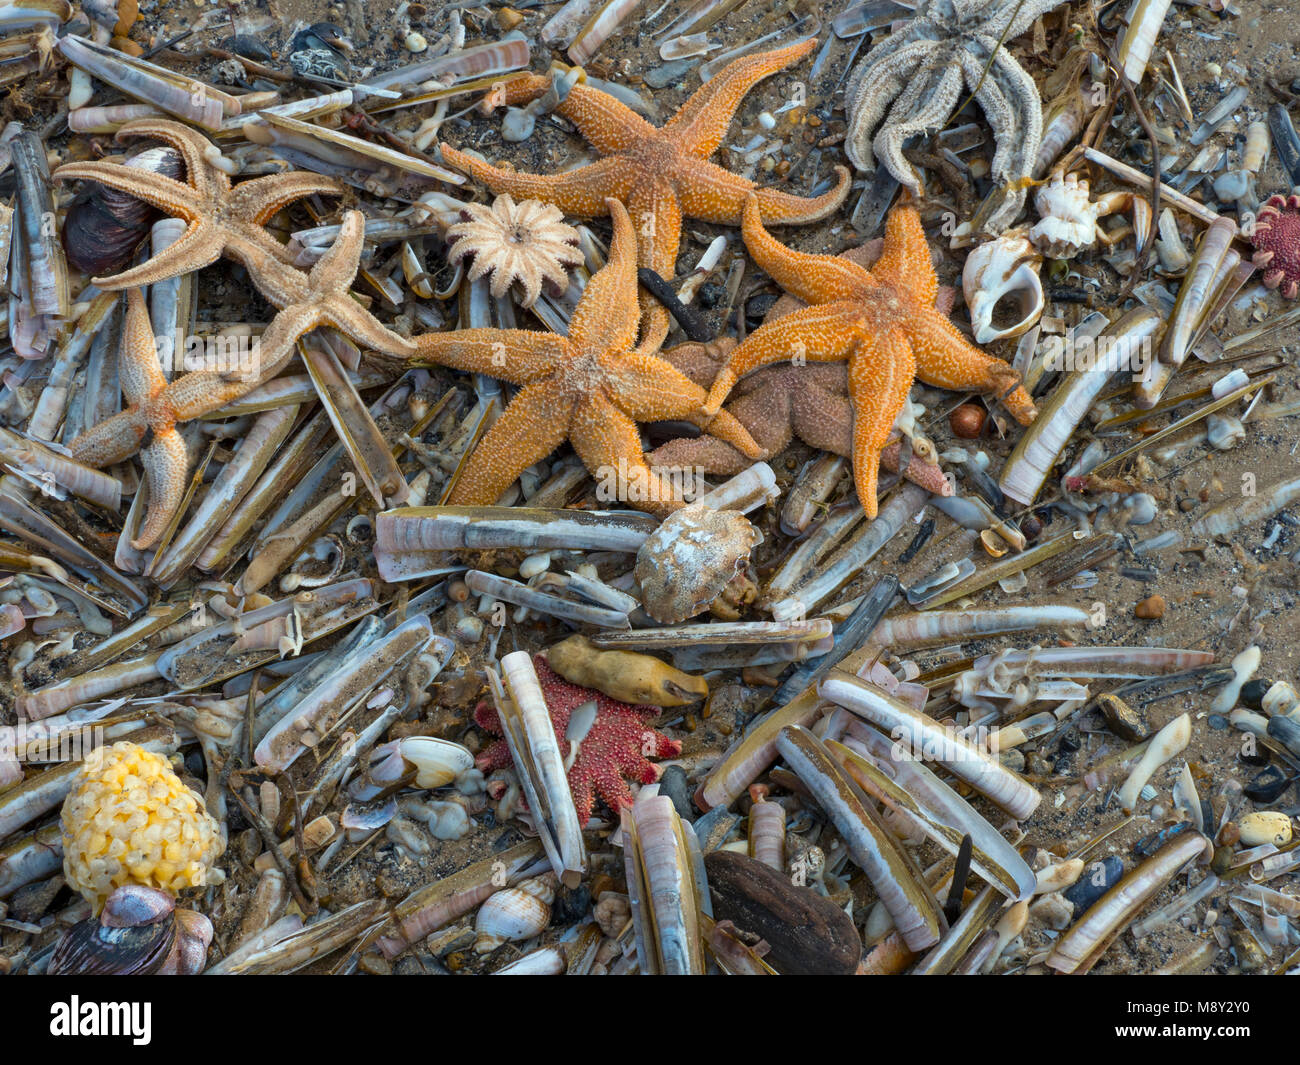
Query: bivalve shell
x=513 y=915
x=1265 y=826
x=437 y=762
x=687 y=562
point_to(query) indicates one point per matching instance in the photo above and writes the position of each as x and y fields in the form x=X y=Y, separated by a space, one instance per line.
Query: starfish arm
x=925 y=106
x=657 y=219
x=606 y=316
x=609 y=445
x=275 y=278
x=348 y=316
x=513 y=355
x=710 y=193
x=822 y=419
x=703 y=120
x=166 y=465
x=138 y=370
x=275 y=347
x=203 y=392
x=648 y=389
x=905 y=262
x=813 y=278
x=534 y=425
x=881 y=77
x=1019 y=16
x=699 y=361
x=609 y=125
x=880 y=374
x=338 y=266
x=190 y=145
x=946 y=359
x=167 y=194
x=199 y=246
x=580 y=193
x=777 y=206
x=519 y=90
x=112 y=440
x=262 y=198
x=726 y=426
x=824 y=333
x=706 y=452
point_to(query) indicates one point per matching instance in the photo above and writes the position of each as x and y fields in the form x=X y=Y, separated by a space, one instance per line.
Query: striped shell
x=513 y=915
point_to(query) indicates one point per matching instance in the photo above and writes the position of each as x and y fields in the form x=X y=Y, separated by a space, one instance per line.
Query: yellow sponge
x=130 y=820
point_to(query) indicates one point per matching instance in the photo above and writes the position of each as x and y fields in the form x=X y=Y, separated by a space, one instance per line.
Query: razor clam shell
x=1040 y=447
x=1144 y=19
x=1194 y=295
x=905 y=783
x=950 y=951
x=199 y=660
x=94 y=684
x=1081 y=947
x=439 y=903
x=891 y=869
x=314 y=941
x=499 y=57
x=47 y=266
x=755 y=751
x=943 y=626
x=1088 y=663
x=42 y=792
x=510 y=591
x=535 y=749
x=31 y=858
x=186 y=98
x=19 y=14
x=352 y=680
x=33 y=458
x=410 y=540
x=963 y=759
x=721 y=634
x=665 y=889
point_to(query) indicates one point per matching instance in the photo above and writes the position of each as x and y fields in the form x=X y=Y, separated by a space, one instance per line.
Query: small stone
x=1151 y=608
x=1052 y=911
x=1265 y=826
x=1097 y=878
x=1229 y=834
x=1217 y=722
x=1252 y=693
x=809 y=935
x=375 y=964
x=1267 y=785
x=1125 y=720
x=508 y=18
x=675 y=785
x=416 y=42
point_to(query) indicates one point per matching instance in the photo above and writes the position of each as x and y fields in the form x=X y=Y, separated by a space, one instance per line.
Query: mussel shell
x=104 y=226
x=90 y=949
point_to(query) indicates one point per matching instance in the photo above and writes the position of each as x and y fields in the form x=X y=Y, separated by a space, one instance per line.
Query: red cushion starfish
x=615 y=749
x=1276 y=237
x=659 y=175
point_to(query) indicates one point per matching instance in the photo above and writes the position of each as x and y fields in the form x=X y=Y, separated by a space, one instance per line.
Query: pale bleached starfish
x=590 y=388
x=883 y=322
x=659 y=175
x=911 y=82
x=222 y=219
x=308 y=300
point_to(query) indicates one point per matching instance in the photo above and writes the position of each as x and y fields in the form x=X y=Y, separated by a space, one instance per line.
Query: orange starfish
x=883 y=322
x=659 y=175
x=223 y=219
x=590 y=388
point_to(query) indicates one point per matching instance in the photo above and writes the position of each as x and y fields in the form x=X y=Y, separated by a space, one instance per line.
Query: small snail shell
x=513 y=915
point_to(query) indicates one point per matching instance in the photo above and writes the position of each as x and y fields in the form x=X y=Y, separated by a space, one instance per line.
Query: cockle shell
x=998 y=270
x=685 y=564
x=513 y=915
x=1068 y=217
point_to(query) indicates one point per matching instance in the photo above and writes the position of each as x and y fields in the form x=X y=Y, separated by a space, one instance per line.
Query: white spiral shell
x=513 y=915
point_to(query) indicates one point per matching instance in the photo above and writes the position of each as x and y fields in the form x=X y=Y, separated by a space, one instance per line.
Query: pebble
x=1125 y=720
x=675 y=785
x=809 y=935
x=662 y=77
x=1052 y=911
x=1267 y=785
x=1265 y=826
x=1287 y=732
x=1151 y=608
x=1252 y=693
x=1097 y=878
x=416 y=42
x=1232 y=186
